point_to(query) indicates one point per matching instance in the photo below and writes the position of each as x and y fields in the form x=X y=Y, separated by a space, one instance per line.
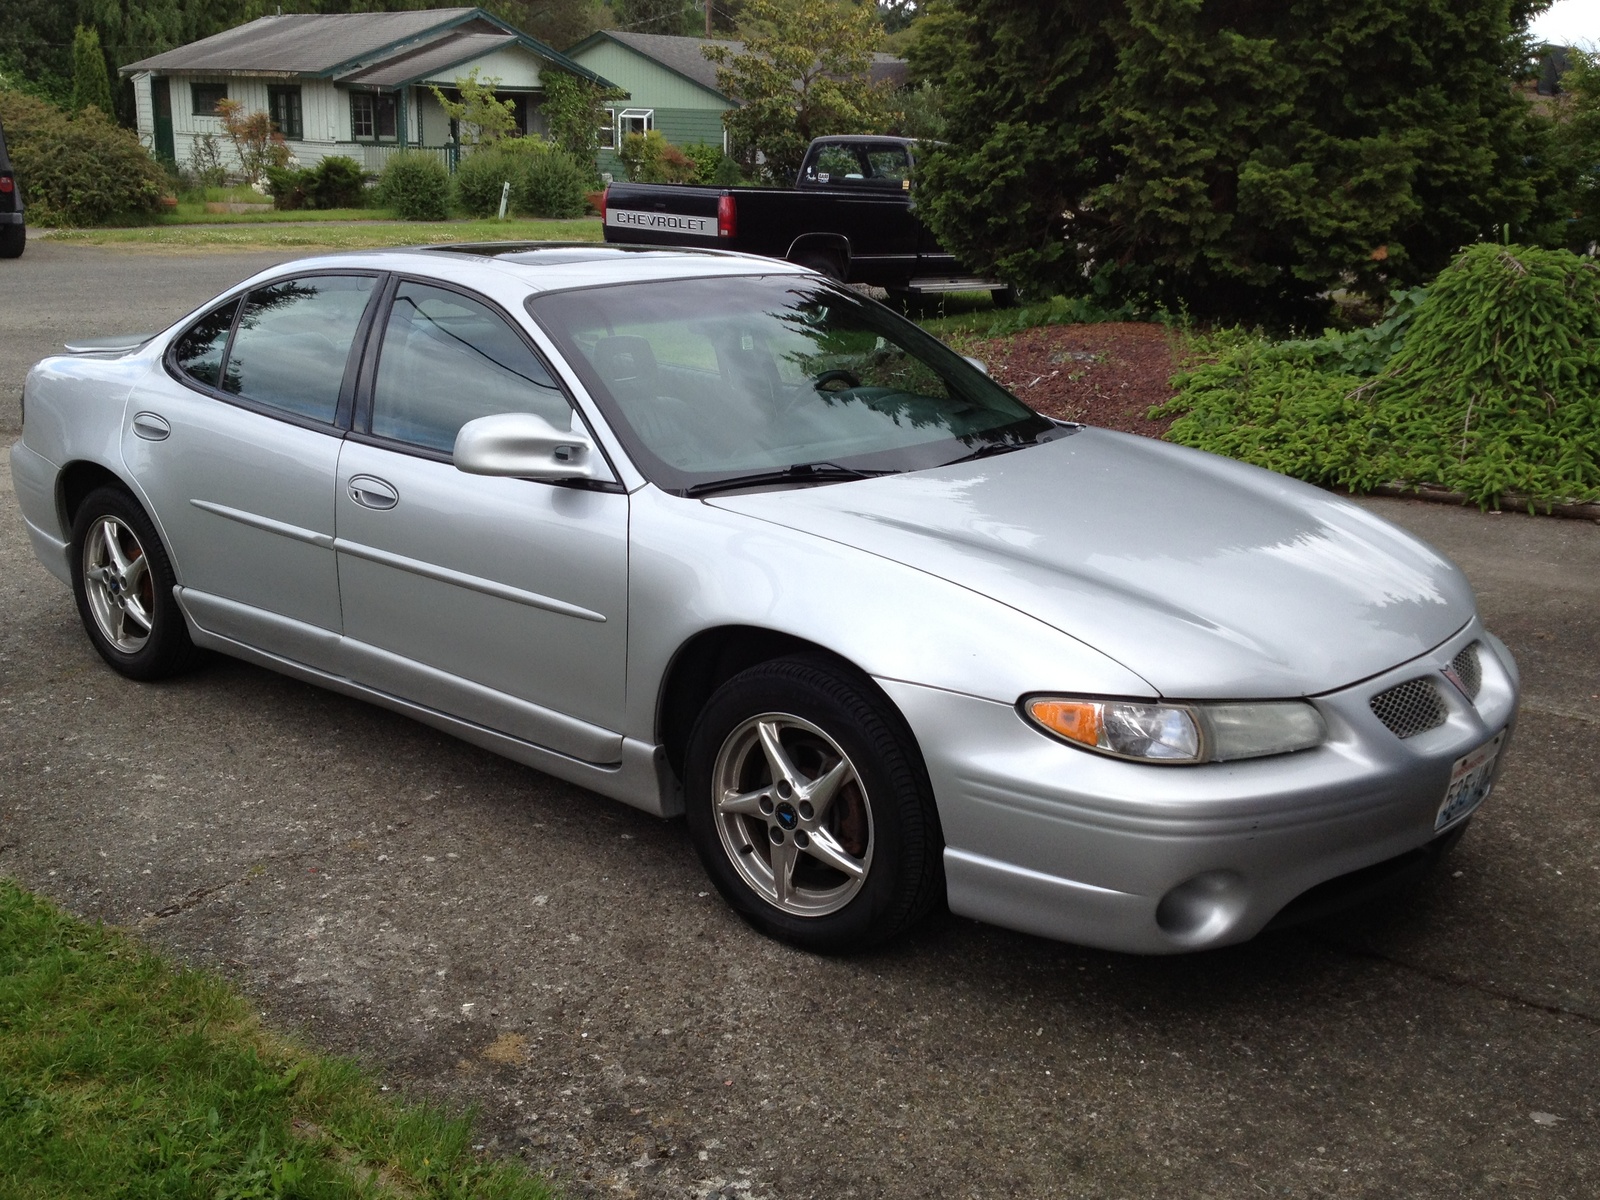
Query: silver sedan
x=715 y=537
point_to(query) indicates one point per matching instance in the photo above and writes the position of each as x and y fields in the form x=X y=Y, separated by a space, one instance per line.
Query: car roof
x=545 y=266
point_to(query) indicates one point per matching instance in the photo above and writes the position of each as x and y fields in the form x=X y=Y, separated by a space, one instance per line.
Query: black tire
x=115 y=603
x=881 y=817
x=13 y=240
x=824 y=262
x=1004 y=297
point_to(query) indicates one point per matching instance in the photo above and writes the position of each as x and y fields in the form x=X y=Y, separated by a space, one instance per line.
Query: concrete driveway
x=480 y=932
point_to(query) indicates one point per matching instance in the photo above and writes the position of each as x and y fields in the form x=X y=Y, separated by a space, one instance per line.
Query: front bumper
x=1061 y=842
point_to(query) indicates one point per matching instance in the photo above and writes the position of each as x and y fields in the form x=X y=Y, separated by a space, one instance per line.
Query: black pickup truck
x=851 y=214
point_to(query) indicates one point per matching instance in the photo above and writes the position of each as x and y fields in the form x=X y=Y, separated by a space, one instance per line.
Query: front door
x=502 y=601
x=161 y=109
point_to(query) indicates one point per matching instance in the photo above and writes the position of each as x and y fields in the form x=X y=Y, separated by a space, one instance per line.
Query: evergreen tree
x=91 y=84
x=1239 y=156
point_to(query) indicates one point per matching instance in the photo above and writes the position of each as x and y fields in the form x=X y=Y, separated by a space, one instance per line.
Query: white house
x=342 y=83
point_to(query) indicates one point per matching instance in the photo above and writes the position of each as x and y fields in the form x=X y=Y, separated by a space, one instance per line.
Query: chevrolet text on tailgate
x=851 y=215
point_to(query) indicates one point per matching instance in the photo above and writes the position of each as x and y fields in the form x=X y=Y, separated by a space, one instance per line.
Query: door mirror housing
x=526 y=446
x=977 y=362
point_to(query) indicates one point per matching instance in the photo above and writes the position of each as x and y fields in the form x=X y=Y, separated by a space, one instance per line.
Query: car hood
x=1207 y=578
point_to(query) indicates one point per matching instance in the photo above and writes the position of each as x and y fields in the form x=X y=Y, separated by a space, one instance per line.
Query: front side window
x=709 y=379
x=284 y=105
x=198 y=352
x=206 y=97
x=293 y=343
x=372 y=115
x=448 y=359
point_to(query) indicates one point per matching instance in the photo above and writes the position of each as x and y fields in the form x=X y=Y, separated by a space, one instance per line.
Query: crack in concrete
x=1465 y=981
x=1558 y=710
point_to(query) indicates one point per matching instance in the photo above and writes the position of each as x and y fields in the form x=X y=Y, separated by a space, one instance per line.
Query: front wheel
x=809 y=806
x=122 y=581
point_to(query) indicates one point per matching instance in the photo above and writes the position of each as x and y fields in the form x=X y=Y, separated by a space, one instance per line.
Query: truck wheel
x=1003 y=297
x=824 y=262
x=12 y=240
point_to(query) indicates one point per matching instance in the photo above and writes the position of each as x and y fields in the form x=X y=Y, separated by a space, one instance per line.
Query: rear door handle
x=151 y=427
x=372 y=492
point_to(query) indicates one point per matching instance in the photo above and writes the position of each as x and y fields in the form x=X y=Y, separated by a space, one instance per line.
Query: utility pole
x=708 y=18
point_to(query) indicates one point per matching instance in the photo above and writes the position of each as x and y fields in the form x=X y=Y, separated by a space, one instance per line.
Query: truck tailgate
x=661 y=214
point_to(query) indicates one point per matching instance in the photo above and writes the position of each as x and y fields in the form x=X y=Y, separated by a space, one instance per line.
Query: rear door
x=501 y=601
x=235 y=445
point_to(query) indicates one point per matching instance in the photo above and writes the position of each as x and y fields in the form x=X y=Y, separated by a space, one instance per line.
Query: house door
x=161 y=104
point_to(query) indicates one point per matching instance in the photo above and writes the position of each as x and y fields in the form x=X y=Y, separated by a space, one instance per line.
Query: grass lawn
x=344 y=235
x=123 y=1076
x=196 y=214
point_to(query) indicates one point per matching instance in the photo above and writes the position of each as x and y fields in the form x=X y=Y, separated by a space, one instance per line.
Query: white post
x=505 y=198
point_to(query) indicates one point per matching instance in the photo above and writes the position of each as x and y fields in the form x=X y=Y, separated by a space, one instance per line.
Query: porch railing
x=374 y=156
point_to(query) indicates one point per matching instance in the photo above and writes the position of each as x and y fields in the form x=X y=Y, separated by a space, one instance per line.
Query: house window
x=636 y=120
x=284 y=105
x=206 y=97
x=372 y=115
x=608 y=130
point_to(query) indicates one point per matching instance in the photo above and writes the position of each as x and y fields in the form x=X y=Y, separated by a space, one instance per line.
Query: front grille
x=1410 y=708
x=1469 y=670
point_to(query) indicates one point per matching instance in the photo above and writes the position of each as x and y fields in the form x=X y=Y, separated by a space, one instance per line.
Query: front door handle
x=372 y=492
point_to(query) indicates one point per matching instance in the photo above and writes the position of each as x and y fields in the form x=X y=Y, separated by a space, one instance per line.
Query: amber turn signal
x=1076 y=720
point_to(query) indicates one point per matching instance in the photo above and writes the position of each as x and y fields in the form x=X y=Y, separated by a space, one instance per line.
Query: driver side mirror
x=526 y=446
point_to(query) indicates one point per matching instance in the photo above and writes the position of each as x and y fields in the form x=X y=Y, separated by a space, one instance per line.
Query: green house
x=671 y=86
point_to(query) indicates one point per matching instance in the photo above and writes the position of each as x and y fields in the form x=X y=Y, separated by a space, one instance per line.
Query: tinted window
x=293 y=342
x=448 y=360
x=199 y=351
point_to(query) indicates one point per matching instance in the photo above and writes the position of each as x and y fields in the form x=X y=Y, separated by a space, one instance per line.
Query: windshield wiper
x=814 y=472
x=990 y=449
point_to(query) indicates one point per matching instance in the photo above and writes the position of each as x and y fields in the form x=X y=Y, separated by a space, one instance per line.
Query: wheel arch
x=76 y=480
x=713 y=656
x=834 y=245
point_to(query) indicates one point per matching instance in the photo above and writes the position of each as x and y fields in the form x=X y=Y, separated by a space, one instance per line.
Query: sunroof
x=560 y=253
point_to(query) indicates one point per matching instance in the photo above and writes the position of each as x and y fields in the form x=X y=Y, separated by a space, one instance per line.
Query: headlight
x=1178 y=733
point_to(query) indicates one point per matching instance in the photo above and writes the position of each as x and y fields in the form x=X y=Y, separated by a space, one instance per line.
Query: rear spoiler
x=117 y=343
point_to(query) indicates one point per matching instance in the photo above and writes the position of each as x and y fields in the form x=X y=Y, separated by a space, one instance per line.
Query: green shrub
x=553 y=185
x=481 y=176
x=727 y=173
x=1495 y=389
x=707 y=159
x=338 y=182
x=82 y=170
x=289 y=187
x=415 y=185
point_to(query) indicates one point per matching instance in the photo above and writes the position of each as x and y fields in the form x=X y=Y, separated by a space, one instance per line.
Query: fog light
x=1202 y=909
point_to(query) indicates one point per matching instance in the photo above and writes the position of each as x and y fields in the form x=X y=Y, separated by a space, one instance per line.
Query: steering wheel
x=837 y=375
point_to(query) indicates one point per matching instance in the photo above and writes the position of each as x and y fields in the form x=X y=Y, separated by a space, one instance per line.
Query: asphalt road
x=482 y=933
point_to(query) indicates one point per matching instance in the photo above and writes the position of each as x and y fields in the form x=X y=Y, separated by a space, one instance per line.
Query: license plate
x=1470 y=780
x=654 y=222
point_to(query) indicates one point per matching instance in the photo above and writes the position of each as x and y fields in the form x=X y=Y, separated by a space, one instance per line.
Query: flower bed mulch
x=1108 y=375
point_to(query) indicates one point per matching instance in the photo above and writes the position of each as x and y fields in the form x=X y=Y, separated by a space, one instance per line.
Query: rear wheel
x=122 y=580
x=13 y=239
x=810 y=809
x=824 y=262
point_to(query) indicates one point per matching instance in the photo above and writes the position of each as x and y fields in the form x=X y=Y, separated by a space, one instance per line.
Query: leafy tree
x=480 y=115
x=91 y=85
x=1239 y=156
x=804 y=73
x=574 y=109
x=1576 y=143
x=652 y=16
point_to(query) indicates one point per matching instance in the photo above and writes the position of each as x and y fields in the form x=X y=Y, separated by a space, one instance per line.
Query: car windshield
x=708 y=381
